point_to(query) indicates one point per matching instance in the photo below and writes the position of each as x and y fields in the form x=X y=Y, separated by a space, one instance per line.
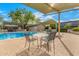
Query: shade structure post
x=56 y=26
x=59 y=24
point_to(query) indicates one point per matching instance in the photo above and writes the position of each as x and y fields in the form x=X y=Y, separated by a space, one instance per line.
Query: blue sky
x=5 y=8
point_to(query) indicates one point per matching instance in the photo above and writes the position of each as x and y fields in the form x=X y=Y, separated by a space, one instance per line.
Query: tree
x=21 y=17
x=1 y=21
x=35 y=21
x=68 y=26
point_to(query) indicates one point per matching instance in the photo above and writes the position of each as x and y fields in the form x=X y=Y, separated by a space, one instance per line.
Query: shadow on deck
x=33 y=52
x=65 y=46
x=42 y=52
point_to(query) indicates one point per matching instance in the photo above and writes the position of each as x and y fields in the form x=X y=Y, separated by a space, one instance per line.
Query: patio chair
x=48 y=39
x=29 y=39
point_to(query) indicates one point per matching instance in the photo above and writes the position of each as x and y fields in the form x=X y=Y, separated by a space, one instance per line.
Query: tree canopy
x=21 y=16
x=1 y=20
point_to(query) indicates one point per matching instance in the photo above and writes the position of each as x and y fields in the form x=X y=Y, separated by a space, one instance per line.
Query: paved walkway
x=68 y=45
x=71 y=43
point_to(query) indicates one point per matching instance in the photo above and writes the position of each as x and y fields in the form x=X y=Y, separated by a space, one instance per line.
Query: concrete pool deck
x=68 y=45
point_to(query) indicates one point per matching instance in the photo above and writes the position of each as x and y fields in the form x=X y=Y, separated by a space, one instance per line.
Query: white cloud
x=48 y=17
x=8 y=19
x=38 y=14
x=3 y=13
x=43 y=17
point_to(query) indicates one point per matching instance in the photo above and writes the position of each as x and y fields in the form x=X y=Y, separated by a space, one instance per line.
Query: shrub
x=76 y=29
x=63 y=30
x=53 y=26
x=68 y=26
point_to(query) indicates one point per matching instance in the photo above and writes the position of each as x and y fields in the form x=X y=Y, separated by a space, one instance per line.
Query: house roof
x=7 y=25
x=50 y=22
x=10 y=24
x=43 y=23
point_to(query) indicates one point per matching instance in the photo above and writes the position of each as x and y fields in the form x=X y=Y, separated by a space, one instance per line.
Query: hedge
x=76 y=29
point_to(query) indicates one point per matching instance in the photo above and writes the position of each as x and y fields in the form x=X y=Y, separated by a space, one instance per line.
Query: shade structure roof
x=52 y=7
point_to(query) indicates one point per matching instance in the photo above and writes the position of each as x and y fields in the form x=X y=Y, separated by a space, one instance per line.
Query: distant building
x=40 y=26
x=10 y=26
x=36 y=27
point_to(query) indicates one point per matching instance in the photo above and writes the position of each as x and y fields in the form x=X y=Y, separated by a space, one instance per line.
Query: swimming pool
x=12 y=35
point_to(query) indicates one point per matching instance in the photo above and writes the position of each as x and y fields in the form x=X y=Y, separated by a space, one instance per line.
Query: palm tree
x=21 y=17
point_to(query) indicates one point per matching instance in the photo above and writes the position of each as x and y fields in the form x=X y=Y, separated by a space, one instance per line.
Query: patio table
x=39 y=37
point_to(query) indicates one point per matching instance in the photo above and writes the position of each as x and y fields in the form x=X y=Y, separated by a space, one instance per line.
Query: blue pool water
x=4 y=36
